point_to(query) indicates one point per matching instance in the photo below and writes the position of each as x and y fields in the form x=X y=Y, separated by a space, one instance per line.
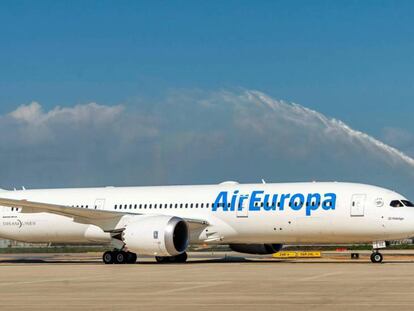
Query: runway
x=206 y=282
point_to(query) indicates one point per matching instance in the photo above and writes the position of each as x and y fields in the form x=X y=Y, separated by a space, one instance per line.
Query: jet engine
x=156 y=235
x=257 y=249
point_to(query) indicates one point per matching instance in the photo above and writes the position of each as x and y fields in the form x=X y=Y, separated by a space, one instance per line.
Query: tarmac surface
x=207 y=282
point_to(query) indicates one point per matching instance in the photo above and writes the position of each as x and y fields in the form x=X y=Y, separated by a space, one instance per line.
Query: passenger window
x=396 y=203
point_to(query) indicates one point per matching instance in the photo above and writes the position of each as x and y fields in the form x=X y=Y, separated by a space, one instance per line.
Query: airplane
x=162 y=221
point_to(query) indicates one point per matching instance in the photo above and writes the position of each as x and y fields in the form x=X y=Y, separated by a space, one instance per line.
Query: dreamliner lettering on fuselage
x=259 y=200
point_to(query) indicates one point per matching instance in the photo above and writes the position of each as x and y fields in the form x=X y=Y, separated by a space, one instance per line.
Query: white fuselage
x=246 y=213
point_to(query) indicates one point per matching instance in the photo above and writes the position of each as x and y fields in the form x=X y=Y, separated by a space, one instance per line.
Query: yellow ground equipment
x=294 y=254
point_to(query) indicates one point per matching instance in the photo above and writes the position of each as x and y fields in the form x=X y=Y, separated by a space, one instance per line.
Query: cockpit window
x=407 y=203
x=396 y=203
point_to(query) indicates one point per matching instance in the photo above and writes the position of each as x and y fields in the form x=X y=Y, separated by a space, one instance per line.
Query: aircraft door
x=99 y=204
x=358 y=205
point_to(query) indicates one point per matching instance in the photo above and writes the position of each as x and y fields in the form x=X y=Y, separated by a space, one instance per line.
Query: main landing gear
x=172 y=259
x=119 y=257
x=122 y=257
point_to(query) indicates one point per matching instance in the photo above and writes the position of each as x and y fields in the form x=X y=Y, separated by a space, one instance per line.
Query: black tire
x=108 y=257
x=121 y=257
x=131 y=258
x=172 y=259
x=376 y=257
x=182 y=258
x=160 y=259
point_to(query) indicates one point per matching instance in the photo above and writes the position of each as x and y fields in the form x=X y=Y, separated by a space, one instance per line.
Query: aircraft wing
x=107 y=220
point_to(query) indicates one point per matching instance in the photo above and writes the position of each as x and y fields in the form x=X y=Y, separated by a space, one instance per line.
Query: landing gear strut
x=172 y=259
x=119 y=257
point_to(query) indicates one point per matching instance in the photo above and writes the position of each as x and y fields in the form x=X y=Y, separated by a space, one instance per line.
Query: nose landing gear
x=376 y=257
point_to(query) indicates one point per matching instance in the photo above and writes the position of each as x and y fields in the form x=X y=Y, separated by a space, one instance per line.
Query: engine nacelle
x=257 y=249
x=156 y=235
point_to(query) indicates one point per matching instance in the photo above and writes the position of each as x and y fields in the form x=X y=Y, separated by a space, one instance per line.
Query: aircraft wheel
x=161 y=259
x=121 y=257
x=108 y=257
x=172 y=259
x=165 y=259
x=181 y=258
x=376 y=257
x=131 y=258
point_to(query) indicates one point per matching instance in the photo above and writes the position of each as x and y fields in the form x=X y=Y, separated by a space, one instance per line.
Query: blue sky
x=351 y=60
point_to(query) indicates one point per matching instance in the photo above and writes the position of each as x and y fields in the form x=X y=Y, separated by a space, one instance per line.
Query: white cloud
x=191 y=137
x=398 y=137
x=33 y=114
